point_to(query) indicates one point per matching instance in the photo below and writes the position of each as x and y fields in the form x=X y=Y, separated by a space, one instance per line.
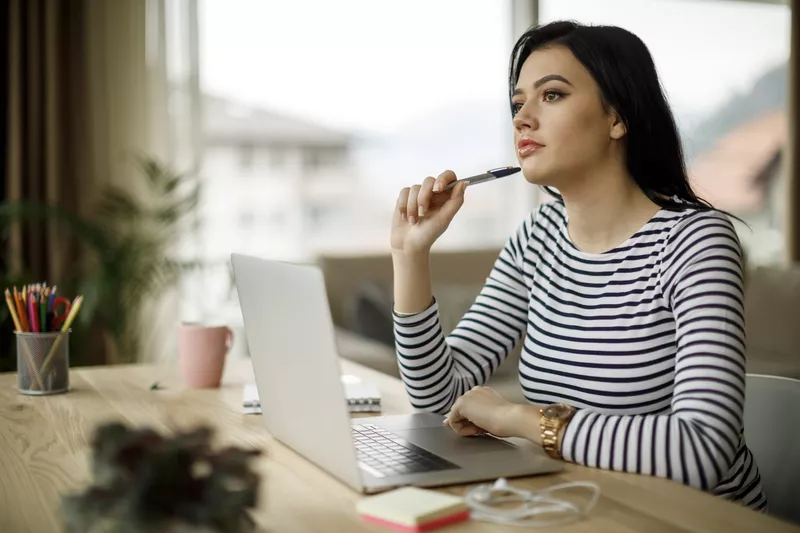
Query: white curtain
x=175 y=136
x=174 y=81
x=145 y=81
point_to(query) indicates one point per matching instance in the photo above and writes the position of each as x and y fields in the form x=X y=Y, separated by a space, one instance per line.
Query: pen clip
x=499 y=169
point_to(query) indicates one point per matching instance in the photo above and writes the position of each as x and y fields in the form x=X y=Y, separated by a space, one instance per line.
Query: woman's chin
x=533 y=173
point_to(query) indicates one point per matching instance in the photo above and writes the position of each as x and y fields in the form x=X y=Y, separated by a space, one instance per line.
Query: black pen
x=486 y=176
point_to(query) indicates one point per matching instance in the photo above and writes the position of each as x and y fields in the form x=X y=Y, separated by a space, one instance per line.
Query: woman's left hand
x=481 y=410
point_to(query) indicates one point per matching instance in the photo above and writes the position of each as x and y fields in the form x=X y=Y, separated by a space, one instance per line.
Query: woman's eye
x=517 y=106
x=551 y=96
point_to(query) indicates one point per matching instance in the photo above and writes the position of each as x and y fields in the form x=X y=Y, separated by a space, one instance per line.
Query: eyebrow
x=544 y=79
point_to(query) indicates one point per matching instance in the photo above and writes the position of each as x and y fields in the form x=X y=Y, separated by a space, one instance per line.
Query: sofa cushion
x=772 y=315
x=368 y=312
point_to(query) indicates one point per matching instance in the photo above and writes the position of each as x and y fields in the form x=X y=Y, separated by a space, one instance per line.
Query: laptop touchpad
x=444 y=440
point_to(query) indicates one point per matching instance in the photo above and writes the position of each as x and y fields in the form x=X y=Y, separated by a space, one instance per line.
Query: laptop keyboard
x=382 y=453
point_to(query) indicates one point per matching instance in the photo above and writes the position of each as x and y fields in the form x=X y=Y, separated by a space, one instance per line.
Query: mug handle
x=229 y=338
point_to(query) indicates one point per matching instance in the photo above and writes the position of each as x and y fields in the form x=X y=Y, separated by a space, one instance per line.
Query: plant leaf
x=116 y=202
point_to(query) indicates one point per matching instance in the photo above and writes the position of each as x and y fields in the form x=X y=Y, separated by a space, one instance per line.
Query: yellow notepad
x=413 y=509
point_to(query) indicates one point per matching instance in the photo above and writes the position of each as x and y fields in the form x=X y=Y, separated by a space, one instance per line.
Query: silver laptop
x=291 y=340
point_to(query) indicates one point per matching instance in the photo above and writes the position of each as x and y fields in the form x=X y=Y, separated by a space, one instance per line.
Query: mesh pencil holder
x=43 y=363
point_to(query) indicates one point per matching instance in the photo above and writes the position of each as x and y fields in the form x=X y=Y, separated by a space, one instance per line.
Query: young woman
x=625 y=292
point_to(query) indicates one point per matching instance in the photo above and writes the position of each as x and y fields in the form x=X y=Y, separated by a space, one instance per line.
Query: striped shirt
x=646 y=340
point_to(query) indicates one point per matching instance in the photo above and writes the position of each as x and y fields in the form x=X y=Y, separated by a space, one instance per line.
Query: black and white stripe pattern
x=646 y=340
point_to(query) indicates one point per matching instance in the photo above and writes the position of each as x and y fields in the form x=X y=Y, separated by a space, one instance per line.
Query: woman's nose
x=524 y=120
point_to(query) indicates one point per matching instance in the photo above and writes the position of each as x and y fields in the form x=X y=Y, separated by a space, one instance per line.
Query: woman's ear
x=618 y=129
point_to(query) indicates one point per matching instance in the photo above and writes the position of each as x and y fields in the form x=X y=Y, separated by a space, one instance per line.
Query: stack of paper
x=361 y=397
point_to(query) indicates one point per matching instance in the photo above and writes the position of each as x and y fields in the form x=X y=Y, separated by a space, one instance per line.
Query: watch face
x=557 y=411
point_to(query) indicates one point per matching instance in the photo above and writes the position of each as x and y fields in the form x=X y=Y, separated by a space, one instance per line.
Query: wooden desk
x=44 y=453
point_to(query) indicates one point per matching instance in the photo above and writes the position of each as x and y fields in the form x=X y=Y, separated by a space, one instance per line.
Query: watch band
x=553 y=419
x=550 y=428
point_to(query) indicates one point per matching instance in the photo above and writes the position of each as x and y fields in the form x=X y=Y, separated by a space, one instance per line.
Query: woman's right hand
x=423 y=213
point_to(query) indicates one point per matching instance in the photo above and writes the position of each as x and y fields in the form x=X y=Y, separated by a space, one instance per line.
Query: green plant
x=129 y=240
x=144 y=482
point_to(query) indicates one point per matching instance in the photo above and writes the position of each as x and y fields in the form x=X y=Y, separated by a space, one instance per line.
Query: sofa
x=360 y=297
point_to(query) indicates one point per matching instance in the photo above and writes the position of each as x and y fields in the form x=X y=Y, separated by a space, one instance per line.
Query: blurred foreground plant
x=144 y=482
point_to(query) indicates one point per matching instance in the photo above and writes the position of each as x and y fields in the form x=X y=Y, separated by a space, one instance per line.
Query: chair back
x=772 y=432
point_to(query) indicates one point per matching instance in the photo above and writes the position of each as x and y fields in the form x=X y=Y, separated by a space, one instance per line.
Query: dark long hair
x=622 y=66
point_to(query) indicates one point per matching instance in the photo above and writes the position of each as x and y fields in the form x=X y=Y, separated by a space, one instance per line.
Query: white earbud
x=500 y=484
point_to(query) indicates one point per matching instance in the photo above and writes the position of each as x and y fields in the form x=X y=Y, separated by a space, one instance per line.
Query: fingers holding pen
x=424 y=196
x=432 y=195
x=402 y=202
x=443 y=180
x=427 y=198
x=412 y=205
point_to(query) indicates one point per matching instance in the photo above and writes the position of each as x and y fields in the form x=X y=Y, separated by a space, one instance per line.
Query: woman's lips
x=527 y=146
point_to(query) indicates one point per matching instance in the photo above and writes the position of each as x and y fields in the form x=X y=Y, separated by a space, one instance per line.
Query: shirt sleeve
x=697 y=440
x=437 y=369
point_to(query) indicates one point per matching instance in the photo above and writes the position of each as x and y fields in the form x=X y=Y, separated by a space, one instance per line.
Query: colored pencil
x=73 y=311
x=12 y=307
x=23 y=320
x=43 y=311
x=31 y=312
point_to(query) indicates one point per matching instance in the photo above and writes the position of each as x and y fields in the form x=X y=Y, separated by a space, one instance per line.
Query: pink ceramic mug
x=201 y=352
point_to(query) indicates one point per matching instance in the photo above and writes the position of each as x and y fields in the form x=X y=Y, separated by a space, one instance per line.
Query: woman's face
x=561 y=129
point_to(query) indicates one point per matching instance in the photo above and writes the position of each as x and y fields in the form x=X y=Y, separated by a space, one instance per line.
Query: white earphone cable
x=483 y=500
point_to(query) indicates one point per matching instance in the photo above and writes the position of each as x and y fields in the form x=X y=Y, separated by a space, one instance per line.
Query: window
x=727 y=84
x=277 y=158
x=348 y=113
x=324 y=158
x=275 y=220
x=312 y=160
x=318 y=215
x=246 y=157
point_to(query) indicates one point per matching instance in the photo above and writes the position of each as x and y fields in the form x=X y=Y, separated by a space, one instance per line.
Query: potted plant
x=144 y=482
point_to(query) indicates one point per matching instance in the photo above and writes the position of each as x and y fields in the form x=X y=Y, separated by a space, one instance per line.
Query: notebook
x=362 y=397
x=413 y=509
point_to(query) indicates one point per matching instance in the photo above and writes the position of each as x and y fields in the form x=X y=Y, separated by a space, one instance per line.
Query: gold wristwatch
x=554 y=417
